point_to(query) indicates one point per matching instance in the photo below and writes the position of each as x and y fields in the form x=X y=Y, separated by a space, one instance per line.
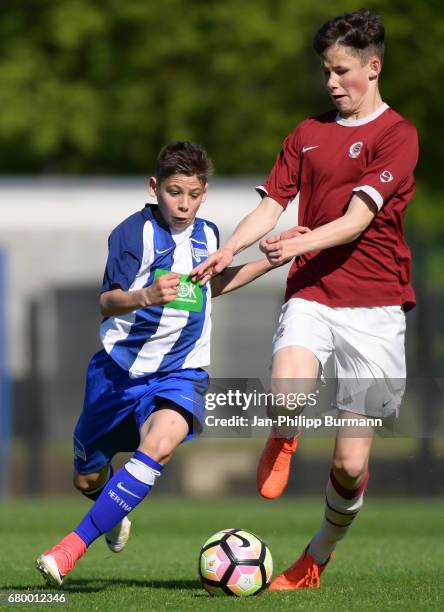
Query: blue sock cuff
x=146 y=459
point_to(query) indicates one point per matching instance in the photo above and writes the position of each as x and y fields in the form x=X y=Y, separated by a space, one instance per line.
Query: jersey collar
x=148 y=213
x=364 y=120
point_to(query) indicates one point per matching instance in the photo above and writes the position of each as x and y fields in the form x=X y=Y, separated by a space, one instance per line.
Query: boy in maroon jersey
x=349 y=284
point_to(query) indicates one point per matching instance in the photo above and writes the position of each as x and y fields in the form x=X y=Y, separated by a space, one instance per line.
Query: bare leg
x=295 y=370
x=88 y=483
x=162 y=432
x=344 y=498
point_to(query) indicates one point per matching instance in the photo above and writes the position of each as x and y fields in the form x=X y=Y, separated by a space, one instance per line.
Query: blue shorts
x=116 y=406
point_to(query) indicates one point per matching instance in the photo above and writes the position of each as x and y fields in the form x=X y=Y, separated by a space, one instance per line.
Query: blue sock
x=121 y=494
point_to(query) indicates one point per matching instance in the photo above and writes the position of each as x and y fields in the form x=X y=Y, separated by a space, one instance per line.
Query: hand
x=276 y=250
x=215 y=264
x=163 y=290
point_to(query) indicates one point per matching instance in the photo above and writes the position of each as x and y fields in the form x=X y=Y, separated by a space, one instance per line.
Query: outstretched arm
x=253 y=227
x=237 y=276
x=359 y=215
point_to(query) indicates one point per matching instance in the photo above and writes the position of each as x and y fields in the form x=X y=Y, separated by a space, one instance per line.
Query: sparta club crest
x=355 y=149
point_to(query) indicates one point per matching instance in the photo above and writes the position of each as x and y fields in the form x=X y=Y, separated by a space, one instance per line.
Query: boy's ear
x=375 y=68
x=152 y=186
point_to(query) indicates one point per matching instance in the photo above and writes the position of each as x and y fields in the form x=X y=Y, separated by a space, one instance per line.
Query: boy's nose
x=184 y=205
x=332 y=84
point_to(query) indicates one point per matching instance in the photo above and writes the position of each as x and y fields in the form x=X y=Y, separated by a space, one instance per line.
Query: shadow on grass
x=100 y=585
x=86 y=585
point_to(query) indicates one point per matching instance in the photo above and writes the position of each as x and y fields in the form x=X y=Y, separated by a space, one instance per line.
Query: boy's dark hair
x=361 y=31
x=183 y=157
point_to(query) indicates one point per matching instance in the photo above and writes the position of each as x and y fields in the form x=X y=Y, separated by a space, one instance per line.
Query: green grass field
x=392 y=559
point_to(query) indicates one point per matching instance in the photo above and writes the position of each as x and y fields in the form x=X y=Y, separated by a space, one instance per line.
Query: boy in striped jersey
x=145 y=388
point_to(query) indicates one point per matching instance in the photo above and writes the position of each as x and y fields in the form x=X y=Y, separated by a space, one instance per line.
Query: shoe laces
x=312 y=576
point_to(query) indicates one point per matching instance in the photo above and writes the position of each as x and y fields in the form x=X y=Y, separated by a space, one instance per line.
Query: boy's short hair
x=362 y=31
x=183 y=157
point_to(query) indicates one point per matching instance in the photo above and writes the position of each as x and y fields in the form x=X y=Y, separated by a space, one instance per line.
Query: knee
x=89 y=482
x=291 y=397
x=159 y=448
x=349 y=470
x=295 y=404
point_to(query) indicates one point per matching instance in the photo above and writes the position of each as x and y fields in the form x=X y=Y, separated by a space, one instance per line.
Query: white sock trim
x=341 y=503
x=141 y=471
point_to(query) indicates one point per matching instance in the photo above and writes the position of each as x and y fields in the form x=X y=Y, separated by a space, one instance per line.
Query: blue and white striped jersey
x=157 y=338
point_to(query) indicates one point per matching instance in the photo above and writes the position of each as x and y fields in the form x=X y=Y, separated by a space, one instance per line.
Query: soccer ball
x=235 y=562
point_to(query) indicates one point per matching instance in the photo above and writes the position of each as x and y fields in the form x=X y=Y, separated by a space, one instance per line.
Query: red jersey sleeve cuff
x=263 y=192
x=372 y=193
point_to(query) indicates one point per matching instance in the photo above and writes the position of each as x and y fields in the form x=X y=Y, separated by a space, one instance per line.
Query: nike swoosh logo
x=304 y=149
x=122 y=488
x=158 y=252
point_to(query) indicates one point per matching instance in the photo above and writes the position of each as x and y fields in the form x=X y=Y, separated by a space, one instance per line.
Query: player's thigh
x=106 y=425
x=352 y=450
x=302 y=343
x=164 y=430
x=293 y=362
x=295 y=370
x=294 y=374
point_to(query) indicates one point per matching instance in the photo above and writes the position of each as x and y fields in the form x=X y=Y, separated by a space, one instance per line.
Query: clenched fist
x=163 y=290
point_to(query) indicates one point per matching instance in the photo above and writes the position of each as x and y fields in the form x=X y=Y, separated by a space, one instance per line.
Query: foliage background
x=97 y=87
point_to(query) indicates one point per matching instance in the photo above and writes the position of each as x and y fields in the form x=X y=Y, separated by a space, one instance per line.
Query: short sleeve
x=282 y=184
x=212 y=236
x=393 y=165
x=216 y=234
x=125 y=248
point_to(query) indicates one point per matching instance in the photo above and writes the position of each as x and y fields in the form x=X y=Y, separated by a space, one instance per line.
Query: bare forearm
x=119 y=302
x=335 y=233
x=238 y=276
x=254 y=226
x=347 y=228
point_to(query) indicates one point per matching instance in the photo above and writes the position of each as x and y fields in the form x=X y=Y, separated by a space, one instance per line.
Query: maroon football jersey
x=326 y=159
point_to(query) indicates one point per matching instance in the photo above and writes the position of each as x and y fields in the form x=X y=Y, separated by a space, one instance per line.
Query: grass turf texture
x=393 y=558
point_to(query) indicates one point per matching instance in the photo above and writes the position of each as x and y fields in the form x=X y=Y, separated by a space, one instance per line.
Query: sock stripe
x=337 y=524
x=353 y=513
x=349 y=493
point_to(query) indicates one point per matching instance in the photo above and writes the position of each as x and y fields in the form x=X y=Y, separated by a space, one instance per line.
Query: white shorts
x=366 y=344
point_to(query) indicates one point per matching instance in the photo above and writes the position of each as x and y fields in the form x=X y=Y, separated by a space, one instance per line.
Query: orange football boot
x=273 y=468
x=303 y=574
x=56 y=562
